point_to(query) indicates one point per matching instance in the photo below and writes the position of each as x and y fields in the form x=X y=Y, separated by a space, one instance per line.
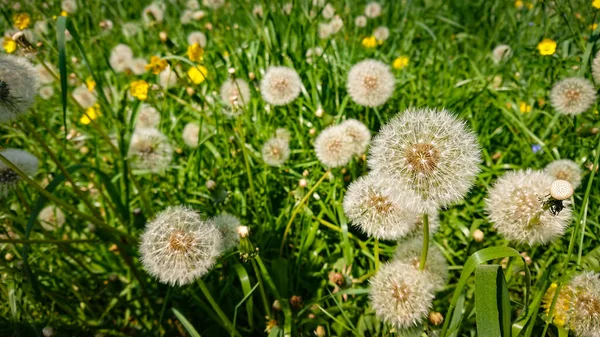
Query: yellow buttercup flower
x=195 y=53
x=593 y=26
x=9 y=44
x=518 y=4
x=139 y=89
x=64 y=13
x=90 y=83
x=21 y=20
x=369 y=42
x=547 y=47
x=400 y=62
x=596 y=4
x=197 y=74
x=524 y=107
x=91 y=114
x=529 y=5
x=156 y=65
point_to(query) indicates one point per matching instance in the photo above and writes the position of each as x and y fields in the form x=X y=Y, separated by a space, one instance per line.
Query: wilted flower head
x=360 y=21
x=147 y=117
x=150 y=150
x=401 y=296
x=153 y=12
x=51 y=217
x=84 y=97
x=359 y=134
x=596 y=68
x=23 y=160
x=370 y=83
x=197 y=37
x=379 y=208
x=18 y=86
x=235 y=92
x=120 y=57
x=584 y=319
x=276 y=151
x=501 y=53
x=409 y=252
x=381 y=33
x=69 y=6
x=565 y=169
x=190 y=134
x=280 y=85
x=372 y=10
x=572 y=95
x=516 y=208
x=431 y=152
x=178 y=246
x=228 y=225
x=334 y=147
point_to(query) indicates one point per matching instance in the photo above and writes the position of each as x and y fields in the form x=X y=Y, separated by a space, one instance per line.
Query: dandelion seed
x=235 y=93
x=198 y=15
x=178 y=247
x=149 y=150
x=360 y=21
x=280 y=85
x=18 y=86
x=190 y=134
x=229 y=226
x=51 y=218
x=23 y=160
x=408 y=251
x=192 y=4
x=197 y=37
x=316 y=52
x=501 y=53
x=572 y=96
x=359 y=134
x=584 y=318
x=401 y=296
x=276 y=151
x=565 y=169
x=515 y=208
x=186 y=17
x=370 y=83
x=69 y=6
x=334 y=148
x=147 y=117
x=287 y=8
x=379 y=208
x=120 y=57
x=372 y=10
x=153 y=13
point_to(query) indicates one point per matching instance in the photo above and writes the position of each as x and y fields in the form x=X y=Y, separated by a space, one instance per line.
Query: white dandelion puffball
x=167 y=78
x=359 y=133
x=501 y=52
x=197 y=37
x=515 y=206
x=381 y=33
x=186 y=17
x=596 y=68
x=257 y=10
x=334 y=147
x=153 y=13
x=360 y=21
x=401 y=296
x=561 y=189
x=69 y=6
x=328 y=11
x=280 y=85
x=198 y=15
x=178 y=246
x=51 y=217
x=336 y=24
x=409 y=251
x=41 y=27
x=372 y=10
x=284 y=134
x=138 y=66
x=192 y=4
x=370 y=83
x=228 y=225
x=565 y=169
x=46 y=92
x=18 y=86
x=214 y=4
x=572 y=95
x=130 y=29
x=584 y=318
x=235 y=92
x=325 y=30
x=44 y=75
x=149 y=150
x=23 y=160
x=120 y=57
x=316 y=52
x=147 y=117
x=379 y=208
x=84 y=97
x=431 y=152
x=276 y=151
x=190 y=134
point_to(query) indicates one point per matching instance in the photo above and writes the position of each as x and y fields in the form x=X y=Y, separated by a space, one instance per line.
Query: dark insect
x=552 y=205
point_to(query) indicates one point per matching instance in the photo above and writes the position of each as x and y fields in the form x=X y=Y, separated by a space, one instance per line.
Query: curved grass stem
x=425 y=249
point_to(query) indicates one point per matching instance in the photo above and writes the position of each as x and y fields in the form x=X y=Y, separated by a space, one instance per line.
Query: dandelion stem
x=376 y=249
x=297 y=209
x=263 y=294
x=224 y=320
x=49 y=241
x=425 y=249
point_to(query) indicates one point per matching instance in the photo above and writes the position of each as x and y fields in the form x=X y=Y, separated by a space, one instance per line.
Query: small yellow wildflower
x=156 y=65
x=518 y=4
x=596 y=4
x=529 y=5
x=225 y=53
x=563 y=303
x=524 y=107
x=593 y=26
x=197 y=74
x=90 y=83
x=139 y=89
x=9 y=44
x=91 y=114
x=547 y=47
x=369 y=42
x=400 y=62
x=195 y=53
x=21 y=20
x=64 y=13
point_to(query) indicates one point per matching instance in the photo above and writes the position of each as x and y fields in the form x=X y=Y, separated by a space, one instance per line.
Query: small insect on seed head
x=561 y=189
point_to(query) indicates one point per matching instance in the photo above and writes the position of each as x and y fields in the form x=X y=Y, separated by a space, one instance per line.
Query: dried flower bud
x=478 y=235
x=436 y=318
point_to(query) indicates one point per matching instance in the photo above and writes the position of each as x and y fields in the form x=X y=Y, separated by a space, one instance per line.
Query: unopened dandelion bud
x=163 y=36
x=319 y=112
x=305 y=173
x=210 y=184
x=561 y=190
x=276 y=305
x=243 y=231
x=296 y=302
x=190 y=91
x=478 y=235
x=8 y=257
x=231 y=71
x=320 y=331
x=436 y=318
x=302 y=183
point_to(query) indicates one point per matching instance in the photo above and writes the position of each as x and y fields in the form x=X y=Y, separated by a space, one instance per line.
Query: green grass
x=83 y=287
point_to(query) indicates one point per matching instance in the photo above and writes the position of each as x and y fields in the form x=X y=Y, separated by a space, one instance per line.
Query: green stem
x=242 y=140
x=49 y=241
x=285 y=305
x=224 y=320
x=376 y=249
x=261 y=287
x=425 y=249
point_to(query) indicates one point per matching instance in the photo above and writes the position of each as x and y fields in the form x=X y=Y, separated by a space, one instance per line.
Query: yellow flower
x=197 y=74
x=547 y=47
x=593 y=26
x=518 y=4
x=524 y=107
x=225 y=53
x=596 y=4
x=64 y=13
x=195 y=53
x=139 y=89
x=90 y=83
x=9 y=44
x=91 y=114
x=562 y=306
x=369 y=42
x=400 y=62
x=156 y=65
x=529 y=5
x=21 y=20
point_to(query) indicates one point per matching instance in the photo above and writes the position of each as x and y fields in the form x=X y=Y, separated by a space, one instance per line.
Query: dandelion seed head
x=284 y=134
x=167 y=78
x=153 y=13
x=84 y=97
x=46 y=92
x=228 y=225
x=23 y=160
x=51 y=218
x=565 y=169
x=572 y=96
x=370 y=83
x=334 y=147
x=150 y=150
x=360 y=21
x=197 y=37
x=276 y=151
x=372 y=10
x=18 y=86
x=280 y=85
x=328 y=11
x=69 y=6
x=596 y=68
x=381 y=33
x=359 y=134
x=138 y=66
x=120 y=57
x=147 y=117
x=561 y=189
x=44 y=75
x=130 y=29
x=235 y=93
x=190 y=134
x=409 y=251
x=584 y=318
x=501 y=53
